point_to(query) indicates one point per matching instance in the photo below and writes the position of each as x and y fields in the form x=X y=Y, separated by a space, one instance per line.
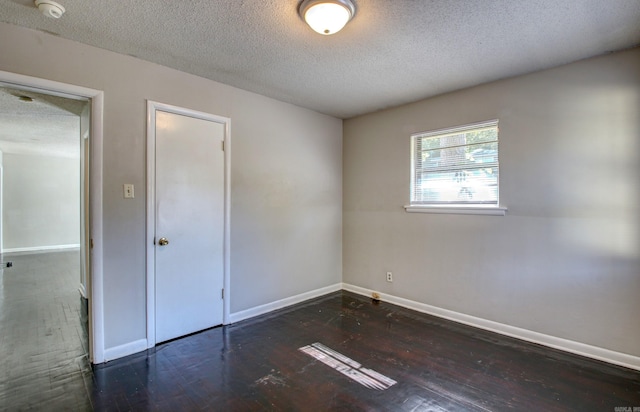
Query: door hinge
x=223 y=145
x=222 y=293
x=90 y=243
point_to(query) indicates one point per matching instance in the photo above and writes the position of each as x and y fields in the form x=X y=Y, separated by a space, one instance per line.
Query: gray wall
x=286 y=176
x=565 y=261
x=41 y=201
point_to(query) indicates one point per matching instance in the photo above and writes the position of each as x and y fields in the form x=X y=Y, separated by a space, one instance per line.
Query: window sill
x=457 y=210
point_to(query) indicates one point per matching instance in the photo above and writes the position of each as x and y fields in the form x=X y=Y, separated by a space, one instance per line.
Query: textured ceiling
x=47 y=125
x=392 y=52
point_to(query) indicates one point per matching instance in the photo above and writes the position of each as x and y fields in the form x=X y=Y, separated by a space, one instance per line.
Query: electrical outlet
x=389 y=277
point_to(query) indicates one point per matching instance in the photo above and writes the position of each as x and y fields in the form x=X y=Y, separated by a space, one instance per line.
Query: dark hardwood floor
x=338 y=352
x=43 y=344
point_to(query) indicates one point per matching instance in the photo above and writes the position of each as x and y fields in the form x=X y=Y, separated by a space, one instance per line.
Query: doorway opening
x=45 y=320
x=51 y=222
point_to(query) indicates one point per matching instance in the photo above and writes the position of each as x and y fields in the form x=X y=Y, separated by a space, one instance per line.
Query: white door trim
x=1 y=202
x=152 y=107
x=96 y=301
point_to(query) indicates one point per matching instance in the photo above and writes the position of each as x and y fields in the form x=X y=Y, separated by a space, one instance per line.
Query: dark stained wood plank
x=439 y=365
x=256 y=365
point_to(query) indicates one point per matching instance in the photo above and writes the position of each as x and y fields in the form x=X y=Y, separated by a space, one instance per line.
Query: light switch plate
x=128 y=191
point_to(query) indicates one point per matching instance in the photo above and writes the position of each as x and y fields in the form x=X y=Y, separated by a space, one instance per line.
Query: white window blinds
x=456 y=166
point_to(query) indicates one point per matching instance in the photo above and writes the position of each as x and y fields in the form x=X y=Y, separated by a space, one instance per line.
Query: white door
x=189 y=224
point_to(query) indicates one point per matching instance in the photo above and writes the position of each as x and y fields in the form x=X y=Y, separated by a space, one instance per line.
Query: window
x=456 y=167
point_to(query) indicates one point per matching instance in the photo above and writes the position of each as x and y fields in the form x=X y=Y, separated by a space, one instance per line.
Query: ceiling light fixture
x=327 y=16
x=50 y=8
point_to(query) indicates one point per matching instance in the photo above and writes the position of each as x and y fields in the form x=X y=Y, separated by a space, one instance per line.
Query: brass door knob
x=163 y=241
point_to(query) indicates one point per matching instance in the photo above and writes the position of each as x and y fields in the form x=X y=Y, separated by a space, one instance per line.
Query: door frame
x=152 y=108
x=1 y=199
x=94 y=243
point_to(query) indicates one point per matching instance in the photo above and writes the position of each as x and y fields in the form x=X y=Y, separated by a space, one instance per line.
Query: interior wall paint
x=286 y=201
x=41 y=202
x=286 y=182
x=565 y=261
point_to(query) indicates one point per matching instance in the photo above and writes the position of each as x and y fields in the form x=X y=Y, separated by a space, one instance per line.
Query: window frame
x=453 y=207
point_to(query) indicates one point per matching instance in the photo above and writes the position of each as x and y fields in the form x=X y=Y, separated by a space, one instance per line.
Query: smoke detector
x=50 y=8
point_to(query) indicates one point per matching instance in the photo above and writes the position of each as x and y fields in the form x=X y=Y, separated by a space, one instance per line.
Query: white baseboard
x=594 y=352
x=125 y=350
x=279 y=304
x=40 y=248
x=141 y=345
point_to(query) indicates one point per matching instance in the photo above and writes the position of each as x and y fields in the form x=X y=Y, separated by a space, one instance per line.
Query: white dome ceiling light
x=50 y=8
x=327 y=16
